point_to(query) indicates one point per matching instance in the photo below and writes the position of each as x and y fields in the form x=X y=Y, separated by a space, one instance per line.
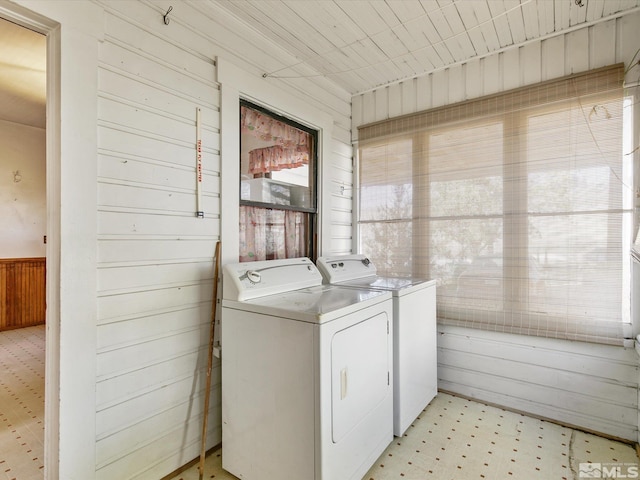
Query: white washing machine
x=414 y=331
x=306 y=374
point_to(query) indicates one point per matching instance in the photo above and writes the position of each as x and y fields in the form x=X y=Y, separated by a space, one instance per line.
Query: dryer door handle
x=343 y=383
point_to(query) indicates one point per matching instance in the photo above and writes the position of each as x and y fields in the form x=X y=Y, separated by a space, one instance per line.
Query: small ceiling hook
x=166 y=20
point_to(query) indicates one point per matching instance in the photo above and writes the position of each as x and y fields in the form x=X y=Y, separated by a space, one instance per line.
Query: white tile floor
x=454 y=438
x=459 y=439
x=22 y=403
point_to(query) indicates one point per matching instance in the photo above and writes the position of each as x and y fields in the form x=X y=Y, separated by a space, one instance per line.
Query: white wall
x=592 y=386
x=154 y=255
x=22 y=190
x=133 y=264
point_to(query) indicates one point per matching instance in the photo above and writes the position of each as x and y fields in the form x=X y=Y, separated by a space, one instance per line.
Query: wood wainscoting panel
x=22 y=292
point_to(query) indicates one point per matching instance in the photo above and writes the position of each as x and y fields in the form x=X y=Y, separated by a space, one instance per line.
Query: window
x=277 y=186
x=519 y=204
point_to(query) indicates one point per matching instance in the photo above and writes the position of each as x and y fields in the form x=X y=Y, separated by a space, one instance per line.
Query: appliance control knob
x=253 y=276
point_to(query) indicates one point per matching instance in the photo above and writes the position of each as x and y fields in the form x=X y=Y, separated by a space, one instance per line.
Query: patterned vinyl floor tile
x=453 y=439
x=459 y=439
x=22 y=355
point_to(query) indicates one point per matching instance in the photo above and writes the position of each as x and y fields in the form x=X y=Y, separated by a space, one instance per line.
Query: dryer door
x=359 y=372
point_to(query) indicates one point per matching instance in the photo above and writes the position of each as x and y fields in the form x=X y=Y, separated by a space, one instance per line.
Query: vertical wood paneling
x=22 y=292
x=423 y=93
x=553 y=58
x=456 y=84
x=510 y=69
x=530 y=63
x=395 y=100
x=473 y=79
x=577 y=51
x=602 y=42
x=440 y=86
x=369 y=108
x=628 y=42
x=408 y=96
x=382 y=103
x=492 y=75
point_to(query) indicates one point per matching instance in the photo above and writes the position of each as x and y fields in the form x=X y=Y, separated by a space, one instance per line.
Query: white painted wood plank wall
x=155 y=267
x=592 y=386
x=154 y=256
x=247 y=49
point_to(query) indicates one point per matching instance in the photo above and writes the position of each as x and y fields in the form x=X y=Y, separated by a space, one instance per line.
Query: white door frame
x=51 y=29
x=77 y=29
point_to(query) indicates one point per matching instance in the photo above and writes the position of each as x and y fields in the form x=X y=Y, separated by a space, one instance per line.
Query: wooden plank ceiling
x=364 y=44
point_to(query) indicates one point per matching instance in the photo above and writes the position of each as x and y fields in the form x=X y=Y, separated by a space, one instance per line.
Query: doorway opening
x=23 y=62
x=32 y=90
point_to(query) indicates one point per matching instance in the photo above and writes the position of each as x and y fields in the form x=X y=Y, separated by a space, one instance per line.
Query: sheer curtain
x=267 y=234
x=520 y=204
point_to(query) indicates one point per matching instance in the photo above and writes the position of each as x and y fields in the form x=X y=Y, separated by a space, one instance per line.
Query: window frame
x=311 y=212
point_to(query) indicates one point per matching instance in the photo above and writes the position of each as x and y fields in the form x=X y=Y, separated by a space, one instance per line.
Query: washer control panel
x=243 y=281
x=346 y=267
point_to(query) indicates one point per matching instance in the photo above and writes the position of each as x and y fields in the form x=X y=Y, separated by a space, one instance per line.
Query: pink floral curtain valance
x=292 y=145
x=277 y=157
x=269 y=129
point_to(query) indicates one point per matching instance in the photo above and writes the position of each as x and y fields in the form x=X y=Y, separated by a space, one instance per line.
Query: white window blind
x=520 y=204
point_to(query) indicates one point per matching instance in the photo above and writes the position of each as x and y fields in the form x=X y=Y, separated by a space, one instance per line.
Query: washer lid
x=394 y=284
x=314 y=305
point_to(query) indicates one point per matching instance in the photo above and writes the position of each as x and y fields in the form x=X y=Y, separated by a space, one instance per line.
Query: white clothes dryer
x=415 y=369
x=306 y=374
